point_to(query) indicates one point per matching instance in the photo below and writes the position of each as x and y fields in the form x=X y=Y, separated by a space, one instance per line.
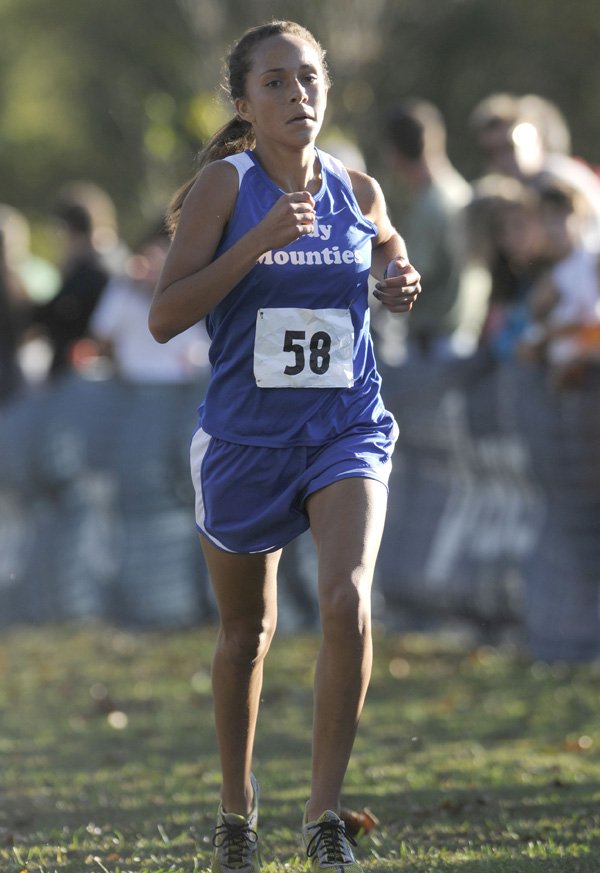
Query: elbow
x=167 y=321
x=160 y=320
x=159 y=330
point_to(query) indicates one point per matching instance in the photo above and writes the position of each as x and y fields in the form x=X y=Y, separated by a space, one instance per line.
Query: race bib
x=303 y=348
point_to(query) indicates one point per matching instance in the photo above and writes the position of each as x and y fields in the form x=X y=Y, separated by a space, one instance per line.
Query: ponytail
x=234 y=137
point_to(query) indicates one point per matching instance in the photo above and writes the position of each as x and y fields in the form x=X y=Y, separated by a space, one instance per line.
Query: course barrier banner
x=494 y=509
x=495 y=499
x=95 y=505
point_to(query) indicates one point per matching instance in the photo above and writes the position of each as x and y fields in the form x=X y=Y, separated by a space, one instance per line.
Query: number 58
x=318 y=348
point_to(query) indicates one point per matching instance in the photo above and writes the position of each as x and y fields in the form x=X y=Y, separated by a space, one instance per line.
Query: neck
x=291 y=171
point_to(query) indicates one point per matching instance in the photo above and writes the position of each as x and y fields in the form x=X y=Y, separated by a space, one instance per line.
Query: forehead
x=282 y=52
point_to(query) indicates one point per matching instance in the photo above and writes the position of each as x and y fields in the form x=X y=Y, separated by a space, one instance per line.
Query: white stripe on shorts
x=199 y=447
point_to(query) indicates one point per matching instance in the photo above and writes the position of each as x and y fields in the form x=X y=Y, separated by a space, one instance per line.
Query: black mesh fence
x=494 y=511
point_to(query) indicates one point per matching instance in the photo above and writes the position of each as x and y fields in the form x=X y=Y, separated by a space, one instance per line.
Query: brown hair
x=237 y=135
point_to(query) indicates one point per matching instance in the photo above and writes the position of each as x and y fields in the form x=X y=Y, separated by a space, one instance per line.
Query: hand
x=292 y=216
x=401 y=288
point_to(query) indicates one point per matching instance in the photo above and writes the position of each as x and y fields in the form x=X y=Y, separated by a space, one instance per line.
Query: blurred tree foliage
x=124 y=93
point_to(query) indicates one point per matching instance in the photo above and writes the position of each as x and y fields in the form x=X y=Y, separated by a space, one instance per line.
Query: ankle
x=234 y=809
x=315 y=809
x=240 y=803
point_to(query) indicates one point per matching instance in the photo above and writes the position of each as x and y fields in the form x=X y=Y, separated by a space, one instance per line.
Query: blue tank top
x=327 y=270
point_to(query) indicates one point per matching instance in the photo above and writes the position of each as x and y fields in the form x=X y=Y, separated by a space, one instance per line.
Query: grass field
x=475 y=761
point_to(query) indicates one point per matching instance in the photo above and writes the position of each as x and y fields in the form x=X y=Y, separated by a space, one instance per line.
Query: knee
x=346 y=612
x=246 y=642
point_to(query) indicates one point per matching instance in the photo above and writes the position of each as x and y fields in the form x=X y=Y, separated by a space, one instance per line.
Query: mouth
x=302 y=116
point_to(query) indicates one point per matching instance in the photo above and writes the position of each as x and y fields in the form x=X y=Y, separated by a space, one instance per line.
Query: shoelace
x=330 y=843
x=237 y=841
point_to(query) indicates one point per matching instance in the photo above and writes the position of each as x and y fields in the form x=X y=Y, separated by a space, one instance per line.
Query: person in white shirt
x=120 y=325
x=565 y=301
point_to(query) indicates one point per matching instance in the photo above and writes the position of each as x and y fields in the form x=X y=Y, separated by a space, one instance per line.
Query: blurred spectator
x=432 y=225
x=111 y=249
x=527 y=137
x=65 y=318
x=503 y=234
x=32 y=281
x=565 y=301
x=492 y=123
x=160 y=386
x=39 y=278
x=10 y=375
x=120 y=324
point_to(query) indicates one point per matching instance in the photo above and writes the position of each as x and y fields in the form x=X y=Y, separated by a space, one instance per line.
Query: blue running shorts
x=251 y=498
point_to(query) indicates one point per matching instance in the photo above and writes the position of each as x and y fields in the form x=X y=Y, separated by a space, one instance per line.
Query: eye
x=273 y=83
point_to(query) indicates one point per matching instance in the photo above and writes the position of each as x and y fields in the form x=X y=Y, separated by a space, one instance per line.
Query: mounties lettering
x=301 y=258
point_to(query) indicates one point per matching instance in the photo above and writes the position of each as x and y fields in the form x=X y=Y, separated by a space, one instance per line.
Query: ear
x=242 y=108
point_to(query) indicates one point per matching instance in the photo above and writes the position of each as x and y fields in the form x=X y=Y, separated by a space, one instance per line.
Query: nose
x=298 y=92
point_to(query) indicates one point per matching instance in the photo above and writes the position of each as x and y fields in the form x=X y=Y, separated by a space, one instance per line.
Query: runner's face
x=286 y=91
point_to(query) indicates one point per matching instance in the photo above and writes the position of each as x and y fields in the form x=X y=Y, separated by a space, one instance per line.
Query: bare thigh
x=245 y=588
x=347 y=520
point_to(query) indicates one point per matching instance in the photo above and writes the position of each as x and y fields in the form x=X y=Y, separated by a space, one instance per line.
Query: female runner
x=274 y=244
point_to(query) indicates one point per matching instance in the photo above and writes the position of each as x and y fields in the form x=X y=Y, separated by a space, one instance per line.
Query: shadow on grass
x=169 y=817
x=491 y=830
x=545 y=863
x=108 y=752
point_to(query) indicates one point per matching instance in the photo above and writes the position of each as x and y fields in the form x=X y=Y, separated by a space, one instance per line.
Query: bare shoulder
x=368 y=193
x=370 y=198
x=206 y=210
x=213 y=193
